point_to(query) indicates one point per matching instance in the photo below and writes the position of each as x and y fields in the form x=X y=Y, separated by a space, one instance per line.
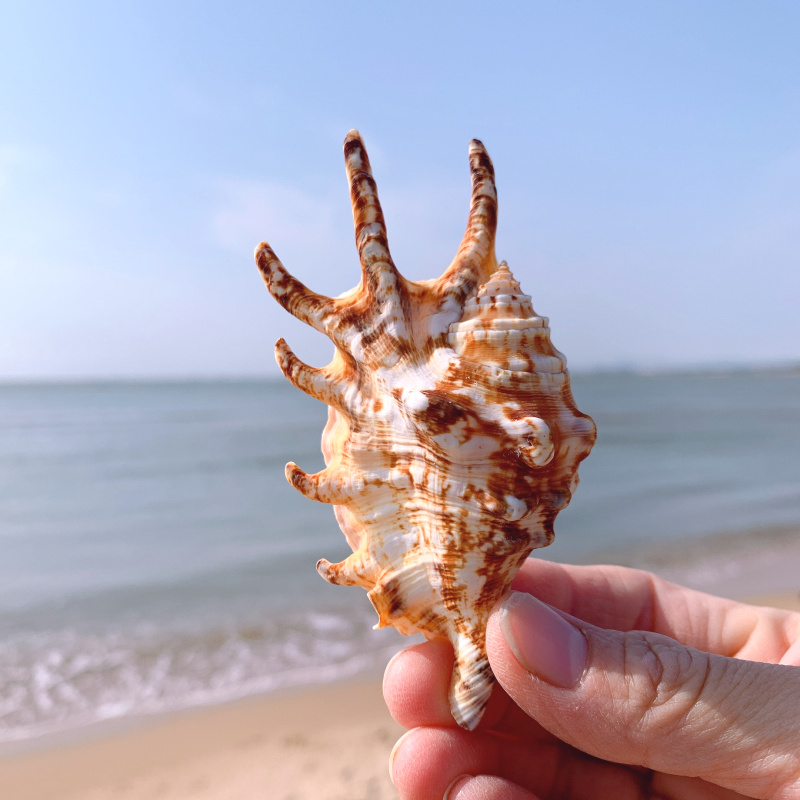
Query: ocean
x=153 y=558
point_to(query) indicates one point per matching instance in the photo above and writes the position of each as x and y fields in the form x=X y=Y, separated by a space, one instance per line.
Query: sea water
x=152 y=556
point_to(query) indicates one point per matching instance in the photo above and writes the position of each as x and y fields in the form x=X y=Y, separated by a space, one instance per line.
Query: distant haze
x=647 y=159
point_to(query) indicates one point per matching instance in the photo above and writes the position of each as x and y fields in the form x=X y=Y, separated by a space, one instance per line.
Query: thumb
x=644 y=699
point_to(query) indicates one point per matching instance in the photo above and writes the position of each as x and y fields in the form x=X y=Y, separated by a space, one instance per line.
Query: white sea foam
x=65 y=680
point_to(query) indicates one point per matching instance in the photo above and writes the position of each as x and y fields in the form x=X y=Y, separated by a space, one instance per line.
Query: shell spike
x=379 y=273
x=475 y=259
x=309 y=307
x=324 y=487
x=353 y=571
x=471 y=684
x=317 y=383
x=482 y=220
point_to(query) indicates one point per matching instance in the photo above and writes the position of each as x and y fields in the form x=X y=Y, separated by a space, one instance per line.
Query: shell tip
x=280 y=347
x=332 y=573
x=262 y=254
x=467 y=719
x=290 y=470
x=471 y=683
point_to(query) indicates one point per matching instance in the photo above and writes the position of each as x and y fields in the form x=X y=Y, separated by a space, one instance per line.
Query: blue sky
x=647 y=158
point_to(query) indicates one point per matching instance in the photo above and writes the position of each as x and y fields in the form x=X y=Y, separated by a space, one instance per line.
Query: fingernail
x=451 y=792
x=543 y=641
x=397 y=745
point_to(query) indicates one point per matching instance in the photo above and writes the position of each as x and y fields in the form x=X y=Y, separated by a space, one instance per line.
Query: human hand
x=634 y=689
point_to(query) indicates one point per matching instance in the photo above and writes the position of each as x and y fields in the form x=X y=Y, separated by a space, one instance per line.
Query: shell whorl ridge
x=452 y=439
x=499 y=327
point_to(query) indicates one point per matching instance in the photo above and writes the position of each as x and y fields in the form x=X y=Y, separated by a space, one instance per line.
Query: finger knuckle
x=665 y=682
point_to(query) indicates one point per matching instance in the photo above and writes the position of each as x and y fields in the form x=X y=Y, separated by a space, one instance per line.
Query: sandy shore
x=329 y=743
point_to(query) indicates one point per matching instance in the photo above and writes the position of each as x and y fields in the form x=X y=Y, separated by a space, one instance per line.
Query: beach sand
x=328 y=743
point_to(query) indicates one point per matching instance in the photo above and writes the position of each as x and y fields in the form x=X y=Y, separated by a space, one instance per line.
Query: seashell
x=452 y=439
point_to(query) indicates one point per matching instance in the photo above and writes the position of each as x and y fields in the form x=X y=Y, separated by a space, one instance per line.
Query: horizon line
x=616 y=369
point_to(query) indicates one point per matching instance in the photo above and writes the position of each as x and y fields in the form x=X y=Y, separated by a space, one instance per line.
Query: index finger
x=627 y=599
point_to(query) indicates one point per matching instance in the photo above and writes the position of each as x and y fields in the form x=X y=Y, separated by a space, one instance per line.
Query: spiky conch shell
x=452 y=438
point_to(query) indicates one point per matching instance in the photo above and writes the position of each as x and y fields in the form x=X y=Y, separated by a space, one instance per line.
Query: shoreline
x=323 y=742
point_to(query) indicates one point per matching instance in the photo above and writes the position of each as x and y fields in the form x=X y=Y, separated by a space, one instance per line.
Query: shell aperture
x=452 y=439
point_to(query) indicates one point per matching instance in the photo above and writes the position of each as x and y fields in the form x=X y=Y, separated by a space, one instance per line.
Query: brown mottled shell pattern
x=452 y=439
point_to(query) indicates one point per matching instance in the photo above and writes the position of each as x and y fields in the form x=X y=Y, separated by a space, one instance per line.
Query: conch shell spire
x=452 y=439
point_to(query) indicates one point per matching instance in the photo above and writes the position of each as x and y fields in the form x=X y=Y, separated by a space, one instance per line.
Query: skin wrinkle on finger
x=775 y=760
x=689 y=710
x=658 y=695
x=696 y=715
